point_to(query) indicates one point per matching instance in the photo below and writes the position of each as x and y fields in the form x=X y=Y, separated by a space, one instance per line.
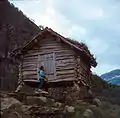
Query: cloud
x=97 y=46
x=95 y=22
x=102 y=68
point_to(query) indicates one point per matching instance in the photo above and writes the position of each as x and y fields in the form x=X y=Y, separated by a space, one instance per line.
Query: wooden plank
x=64 y=72
x=57 y=52
x=64 y=65
x=53 y=84
x=29 y=65
x=65 y=76
x=30 y=60
x=29 y=72
x=29 y=69
x=30 y=77
x=65 y=58
x=31 y=56
x=48 y=60
x=64 y=69
x=61 y=63
x=54 y=44
x=64 y=54
x=58 y=80
x=50 y=47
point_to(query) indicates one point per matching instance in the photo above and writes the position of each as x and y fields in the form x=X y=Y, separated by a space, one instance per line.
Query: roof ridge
x=79 y=46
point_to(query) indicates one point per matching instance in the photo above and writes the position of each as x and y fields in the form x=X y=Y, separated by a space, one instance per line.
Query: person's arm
x=43 y=75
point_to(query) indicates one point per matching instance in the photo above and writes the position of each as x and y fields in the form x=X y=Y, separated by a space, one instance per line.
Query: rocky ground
x=42 y=106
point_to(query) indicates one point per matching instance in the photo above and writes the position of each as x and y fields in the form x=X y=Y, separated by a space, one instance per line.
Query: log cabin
x=64 y=59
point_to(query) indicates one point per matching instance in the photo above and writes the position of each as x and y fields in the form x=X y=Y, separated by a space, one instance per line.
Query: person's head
x=41 y=67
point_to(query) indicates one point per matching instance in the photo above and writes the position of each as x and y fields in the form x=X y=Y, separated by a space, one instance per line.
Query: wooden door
x=48 y=61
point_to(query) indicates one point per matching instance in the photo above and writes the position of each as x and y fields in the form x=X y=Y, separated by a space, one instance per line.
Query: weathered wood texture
x=68 y=65
x=81 y=69
x=64 y=60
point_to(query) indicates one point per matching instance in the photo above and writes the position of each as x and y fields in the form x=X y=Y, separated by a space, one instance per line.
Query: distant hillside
x=105 y=90
x=15 y=30
x=112 y=76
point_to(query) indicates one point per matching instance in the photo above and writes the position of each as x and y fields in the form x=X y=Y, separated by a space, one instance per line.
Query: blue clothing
x=41 y=74
x=41 y=83
x=41 y=78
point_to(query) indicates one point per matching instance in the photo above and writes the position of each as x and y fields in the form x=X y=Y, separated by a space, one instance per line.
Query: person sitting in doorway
x=42 y=78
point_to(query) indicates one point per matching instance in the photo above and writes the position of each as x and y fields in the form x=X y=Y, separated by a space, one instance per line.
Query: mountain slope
x=15 y=30
x=112 y=76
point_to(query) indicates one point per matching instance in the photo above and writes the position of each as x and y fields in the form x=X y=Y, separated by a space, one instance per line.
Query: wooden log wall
x=64 y=56
x=81 y=69
x=69 y=66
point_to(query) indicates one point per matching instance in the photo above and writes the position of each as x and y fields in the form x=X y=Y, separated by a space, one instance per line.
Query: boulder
x=44 y=99
x=69 y=109
x=36 y=100
x=57 y=104
x=88 y=113
x=96 y=102
x=25 y=108
x=8 y=102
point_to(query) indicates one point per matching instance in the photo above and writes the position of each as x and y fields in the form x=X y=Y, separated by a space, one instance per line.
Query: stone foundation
x=69 y=94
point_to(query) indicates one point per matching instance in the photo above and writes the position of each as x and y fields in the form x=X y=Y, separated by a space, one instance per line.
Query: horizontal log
x=45 y=46
x=34 y=52
x=64 y=72
x=65 y=69
x=58 y=80
x=47 y=40
x=33 y=60
x=52 y=84
x=30 y=56
x=29 y=69
x=64 y=65
x=29 y=66
x=64 y=79
x=65 y=76
x=27 y=62
x=64 y=53
x=65 y=58
x=30 y=77
x=54 y=44
x=30 y=60
x=27 y=78
x=29 y=72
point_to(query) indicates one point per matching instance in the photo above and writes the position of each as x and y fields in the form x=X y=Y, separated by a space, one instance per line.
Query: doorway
x=48 y=61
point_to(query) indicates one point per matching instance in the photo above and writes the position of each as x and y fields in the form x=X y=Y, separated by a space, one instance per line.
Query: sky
x=94 y=22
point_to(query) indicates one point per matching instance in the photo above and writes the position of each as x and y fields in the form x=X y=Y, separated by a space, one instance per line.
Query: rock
x=44 y=99
x=36 y=100
x=25 y=107
x=8 y=102
x=50 y=102
x=57 y=104
x=1 y=113
x=96 y=102
x=88 y=113
x=69 y=109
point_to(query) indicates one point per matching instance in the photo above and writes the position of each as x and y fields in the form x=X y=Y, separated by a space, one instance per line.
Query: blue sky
x=94 y=22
